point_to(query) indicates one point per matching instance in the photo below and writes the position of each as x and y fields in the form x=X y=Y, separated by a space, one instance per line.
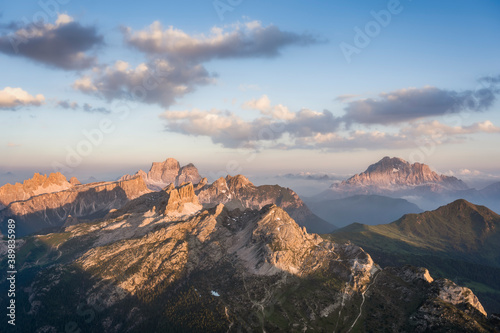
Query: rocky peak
x=398 y=172
x=237 y=182
x=168 y=172
x=74 y=181
x=39 y=184
x=188 y=173
x=164 y=172
x=239 y=192
x=180 y=200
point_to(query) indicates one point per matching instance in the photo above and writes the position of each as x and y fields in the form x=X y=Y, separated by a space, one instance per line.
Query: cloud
x=85 y=107
x=175 y=60
x=63 y=44
x=241 y=40
x=13 y=145
x=343 y=98
x=232 y=131
x=412 y=103
x=491 y=79
x=156 y=82
x=308 y=129
x=10 y=98
x=263 y=104
x=222 y=127
x=436 y=130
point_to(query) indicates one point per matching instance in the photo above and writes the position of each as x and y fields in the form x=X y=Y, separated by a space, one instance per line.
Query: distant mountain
x=39 y=184
x=51 y=210
x=156 y=265
x=366 y=209
x=162 y=174
x=395 y=177
x=239 y=192
x=394 y=173
x=460 y=241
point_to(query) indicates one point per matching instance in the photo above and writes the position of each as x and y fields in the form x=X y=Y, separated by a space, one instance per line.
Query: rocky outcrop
x=449 y=292
x=39 y=184
x=238 y=192
x=180 y=201
x=162 y=174
x=50 y=210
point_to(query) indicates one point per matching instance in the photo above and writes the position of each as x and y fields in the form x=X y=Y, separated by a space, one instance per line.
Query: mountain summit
x=39 y=184
x=390 y=172
x=162 y=174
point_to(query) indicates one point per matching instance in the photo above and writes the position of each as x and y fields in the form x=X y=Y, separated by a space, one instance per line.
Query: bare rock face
x=85 y=201
x=454 y=294
x=396 y=171
x=39 y=184
x=239 y=193
x=161 y=174
x=188 y=174
x=164 y=172
x=180 y=201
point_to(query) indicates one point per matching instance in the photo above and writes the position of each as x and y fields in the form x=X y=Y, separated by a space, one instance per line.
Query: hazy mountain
x=366 y=209
x=239 y=192
x=460 y=241
x=162 y=263
x=161 y=174
x=394 y=177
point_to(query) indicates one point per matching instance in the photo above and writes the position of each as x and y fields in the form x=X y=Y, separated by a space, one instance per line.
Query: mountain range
x=46 y=203
x=168 y=251
x=160 y=263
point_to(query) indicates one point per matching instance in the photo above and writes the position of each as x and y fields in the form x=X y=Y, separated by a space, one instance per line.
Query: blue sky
x=260 y=88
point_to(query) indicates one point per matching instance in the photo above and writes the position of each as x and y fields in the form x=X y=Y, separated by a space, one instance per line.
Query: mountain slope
x=239 y=192
x=366 y=209
x=143 y=269
x=460 y=240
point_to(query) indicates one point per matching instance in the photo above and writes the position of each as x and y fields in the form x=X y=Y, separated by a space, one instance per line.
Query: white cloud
x=263 y=104
x=14 y=97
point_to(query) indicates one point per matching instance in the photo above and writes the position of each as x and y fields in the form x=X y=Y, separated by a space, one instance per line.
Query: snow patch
x=214 y=293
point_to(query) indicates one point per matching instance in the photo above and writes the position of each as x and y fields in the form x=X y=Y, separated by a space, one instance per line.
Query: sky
x=261 y=88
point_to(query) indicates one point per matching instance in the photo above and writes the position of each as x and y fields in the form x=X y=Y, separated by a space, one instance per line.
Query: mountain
x=395 y=177
x=51 y=210
x=460 y=241
x=490 y=196
x=239 y=192
x=366 y=209
x=162 y=174
x=153 y=266
x=39 y=184
x=395 y=172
